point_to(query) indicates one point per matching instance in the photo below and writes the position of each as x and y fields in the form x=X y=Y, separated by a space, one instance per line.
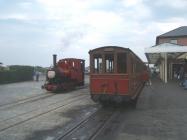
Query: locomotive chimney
x=54 y=60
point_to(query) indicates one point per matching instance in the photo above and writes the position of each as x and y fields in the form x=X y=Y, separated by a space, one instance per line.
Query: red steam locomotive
x=66 y=74
x=116 y=75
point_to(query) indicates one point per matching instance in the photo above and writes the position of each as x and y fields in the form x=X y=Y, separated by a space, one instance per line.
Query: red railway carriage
x=66 y=74
x=116 y=74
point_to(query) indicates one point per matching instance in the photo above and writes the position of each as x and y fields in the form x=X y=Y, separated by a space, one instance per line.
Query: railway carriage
x=116 y=75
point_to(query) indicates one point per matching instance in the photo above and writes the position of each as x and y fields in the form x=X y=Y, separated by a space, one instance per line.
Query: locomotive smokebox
x=54 y=60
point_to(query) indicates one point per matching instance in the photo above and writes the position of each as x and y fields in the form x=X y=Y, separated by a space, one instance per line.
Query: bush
x=16 y=74
x=40 y=69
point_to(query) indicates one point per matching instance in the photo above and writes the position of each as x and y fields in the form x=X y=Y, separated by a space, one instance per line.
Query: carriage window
x=122 y=62
x=97 y=64
x=109 y=61
x=82 y=66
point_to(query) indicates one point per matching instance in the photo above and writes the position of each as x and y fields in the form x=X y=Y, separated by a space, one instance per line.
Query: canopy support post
x=165 y=67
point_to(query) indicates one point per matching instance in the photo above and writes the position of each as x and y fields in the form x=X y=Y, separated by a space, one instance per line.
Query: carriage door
x=122 y=63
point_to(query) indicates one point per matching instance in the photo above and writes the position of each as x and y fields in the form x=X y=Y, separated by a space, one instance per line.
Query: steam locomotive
x=65 y=74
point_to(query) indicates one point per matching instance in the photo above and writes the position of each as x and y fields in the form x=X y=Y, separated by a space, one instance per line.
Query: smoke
x=70 y=38
x=72 y=35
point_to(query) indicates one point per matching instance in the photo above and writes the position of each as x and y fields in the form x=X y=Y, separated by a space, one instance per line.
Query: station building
x=169 y=53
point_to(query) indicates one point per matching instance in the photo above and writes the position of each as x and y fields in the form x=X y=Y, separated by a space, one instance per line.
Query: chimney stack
x=54 y=60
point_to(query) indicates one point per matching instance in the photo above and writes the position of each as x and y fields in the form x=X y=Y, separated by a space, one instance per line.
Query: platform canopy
x=154 y=53
x=159 y=54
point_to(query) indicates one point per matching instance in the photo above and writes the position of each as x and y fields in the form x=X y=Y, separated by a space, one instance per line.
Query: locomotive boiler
x=65 y=74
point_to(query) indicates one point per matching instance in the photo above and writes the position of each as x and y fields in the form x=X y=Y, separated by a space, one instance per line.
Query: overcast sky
x=32 y=30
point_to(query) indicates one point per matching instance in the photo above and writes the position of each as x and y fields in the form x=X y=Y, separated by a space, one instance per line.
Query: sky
x=32 y=30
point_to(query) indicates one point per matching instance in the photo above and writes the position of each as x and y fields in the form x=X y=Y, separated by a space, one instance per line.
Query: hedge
x=16 y=74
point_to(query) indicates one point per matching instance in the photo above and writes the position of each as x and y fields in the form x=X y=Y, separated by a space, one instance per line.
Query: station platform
x=165 y=95
x=160 y=114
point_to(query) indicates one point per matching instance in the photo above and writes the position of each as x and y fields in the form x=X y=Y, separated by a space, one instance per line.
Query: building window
x=174 y=41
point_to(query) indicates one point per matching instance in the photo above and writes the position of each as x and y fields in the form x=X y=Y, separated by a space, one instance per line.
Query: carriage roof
x=109 y=49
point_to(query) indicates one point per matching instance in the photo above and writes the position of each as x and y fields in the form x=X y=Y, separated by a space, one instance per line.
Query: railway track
x=63 y=99
x=103 y=126
x=89 y=128
x=17 y=120
x=25 y=100
x=33 y=99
